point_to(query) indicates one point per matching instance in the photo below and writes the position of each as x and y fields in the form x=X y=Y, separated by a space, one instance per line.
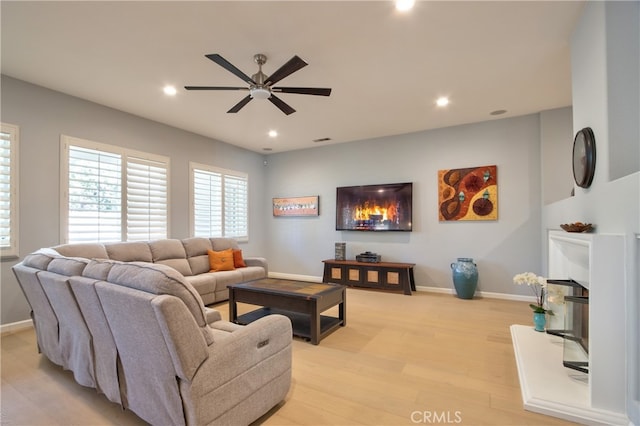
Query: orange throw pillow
x=238 y=261
x=221 y=260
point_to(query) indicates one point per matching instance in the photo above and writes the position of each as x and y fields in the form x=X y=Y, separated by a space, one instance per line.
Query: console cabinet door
x=334 y=274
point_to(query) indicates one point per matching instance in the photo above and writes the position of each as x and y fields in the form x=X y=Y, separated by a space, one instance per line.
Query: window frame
x=13 y=249
x=193 y=167
x=125 y=154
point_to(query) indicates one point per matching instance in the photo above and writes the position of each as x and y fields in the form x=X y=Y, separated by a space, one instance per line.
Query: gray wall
x=297 y=246
x=43 y=115
x=501 y=248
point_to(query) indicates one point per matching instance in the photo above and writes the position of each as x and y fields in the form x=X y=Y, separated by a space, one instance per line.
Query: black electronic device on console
x=368 y=257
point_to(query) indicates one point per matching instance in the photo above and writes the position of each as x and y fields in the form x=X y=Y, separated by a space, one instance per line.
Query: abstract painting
x=468 y=194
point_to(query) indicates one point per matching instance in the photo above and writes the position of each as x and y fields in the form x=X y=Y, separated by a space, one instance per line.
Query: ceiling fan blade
x=303 y=90
x=284 y=107
x=293 y=65
x=229 y=67
x=214 y=88
x=237 y=107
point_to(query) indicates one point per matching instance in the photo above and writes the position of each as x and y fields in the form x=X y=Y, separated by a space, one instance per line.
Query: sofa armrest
x=212 y=315
x=256 y=261
x=245 y=348
x=245 y=375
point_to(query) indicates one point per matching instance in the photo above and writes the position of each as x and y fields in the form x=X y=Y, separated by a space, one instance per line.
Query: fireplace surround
x=597 y=263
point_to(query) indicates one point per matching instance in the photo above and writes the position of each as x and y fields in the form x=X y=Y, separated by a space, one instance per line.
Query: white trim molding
x=442 y=290
x=16 y=326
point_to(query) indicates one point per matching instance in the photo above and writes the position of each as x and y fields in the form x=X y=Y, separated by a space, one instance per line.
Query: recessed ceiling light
x=169 y=90
x=442 y=101
x=404 y=5
x=273 y=133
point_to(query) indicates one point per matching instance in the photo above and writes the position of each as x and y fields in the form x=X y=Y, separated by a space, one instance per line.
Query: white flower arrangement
x=538 y=285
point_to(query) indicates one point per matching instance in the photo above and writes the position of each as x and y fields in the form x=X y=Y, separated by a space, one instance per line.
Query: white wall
x=43 y=115
x=612 y=203
x=501 y=248
x=623 y=81
x=556 y=137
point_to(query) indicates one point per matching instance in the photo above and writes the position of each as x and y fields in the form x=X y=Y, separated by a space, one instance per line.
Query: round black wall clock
x=584 y=157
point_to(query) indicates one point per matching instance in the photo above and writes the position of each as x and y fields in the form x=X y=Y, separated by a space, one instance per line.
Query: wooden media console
x=380 y=275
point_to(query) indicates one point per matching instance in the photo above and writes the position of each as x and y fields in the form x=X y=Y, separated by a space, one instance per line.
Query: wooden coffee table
x=302 y=302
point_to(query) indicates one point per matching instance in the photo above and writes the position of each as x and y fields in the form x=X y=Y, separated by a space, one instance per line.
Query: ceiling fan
x=261 y=86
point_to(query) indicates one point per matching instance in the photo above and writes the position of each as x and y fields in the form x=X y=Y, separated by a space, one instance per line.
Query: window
x=112 y=194
x=9 y=190
x=219 y=202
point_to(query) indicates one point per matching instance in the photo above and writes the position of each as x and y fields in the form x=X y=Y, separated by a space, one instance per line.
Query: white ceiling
x=386 y=69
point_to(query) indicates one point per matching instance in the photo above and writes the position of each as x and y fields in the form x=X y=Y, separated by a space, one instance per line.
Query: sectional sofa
x=139 y=332
x=188 y=256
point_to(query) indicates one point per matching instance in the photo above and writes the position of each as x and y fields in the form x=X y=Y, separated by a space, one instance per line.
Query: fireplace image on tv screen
x=384 y=207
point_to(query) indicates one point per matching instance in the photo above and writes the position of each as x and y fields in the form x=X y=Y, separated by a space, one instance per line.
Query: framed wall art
x=296 y=206
x=468 y=194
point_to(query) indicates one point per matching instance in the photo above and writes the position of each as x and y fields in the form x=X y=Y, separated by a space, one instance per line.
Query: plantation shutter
x=235 y=206
x=219 y=202
x=112 y=194
x=7 y=198
x=207 y=203
x=95 y=188
x=146 y=199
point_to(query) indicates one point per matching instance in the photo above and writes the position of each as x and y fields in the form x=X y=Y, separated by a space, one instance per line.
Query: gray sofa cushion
x=44 y=319
x=220 y=244
x=170 y=253
x=104 y=347
x=149 y=372
x=99 y=269
x=251 y=273
x=88 y=250
x=224 y=278
x=161 y=279
x=196 y=249
x=67 y=266
x=129 y=252
x=203 y=283
x=74 y=337
x=38 y=261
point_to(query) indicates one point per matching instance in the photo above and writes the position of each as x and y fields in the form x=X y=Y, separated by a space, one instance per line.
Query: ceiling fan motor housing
x=259 y=90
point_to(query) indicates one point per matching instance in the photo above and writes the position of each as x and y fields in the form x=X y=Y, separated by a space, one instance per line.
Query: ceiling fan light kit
x=261 y=86
x=260 y=93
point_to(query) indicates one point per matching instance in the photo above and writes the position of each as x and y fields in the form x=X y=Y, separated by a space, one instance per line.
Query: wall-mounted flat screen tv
x=384 y=207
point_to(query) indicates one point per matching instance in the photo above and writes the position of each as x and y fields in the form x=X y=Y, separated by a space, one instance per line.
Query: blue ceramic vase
x=539 y=321
x=465 y=277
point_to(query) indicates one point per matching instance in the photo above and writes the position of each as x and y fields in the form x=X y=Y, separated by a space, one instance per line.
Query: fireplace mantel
x=596 y=261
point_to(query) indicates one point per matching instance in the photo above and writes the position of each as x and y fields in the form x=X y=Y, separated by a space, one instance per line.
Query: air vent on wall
x=322 y=140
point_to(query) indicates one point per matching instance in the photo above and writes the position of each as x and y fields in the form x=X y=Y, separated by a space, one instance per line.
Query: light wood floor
x=401 y=360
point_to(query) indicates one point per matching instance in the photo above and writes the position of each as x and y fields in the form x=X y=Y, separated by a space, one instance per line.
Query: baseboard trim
x=295 y=277
x=16 y=326
x=479 y=294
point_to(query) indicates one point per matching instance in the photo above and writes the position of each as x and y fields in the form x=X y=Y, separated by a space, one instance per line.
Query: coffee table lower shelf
x=300 y=323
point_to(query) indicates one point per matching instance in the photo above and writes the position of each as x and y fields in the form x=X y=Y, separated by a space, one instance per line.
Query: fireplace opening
x=576 y=326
